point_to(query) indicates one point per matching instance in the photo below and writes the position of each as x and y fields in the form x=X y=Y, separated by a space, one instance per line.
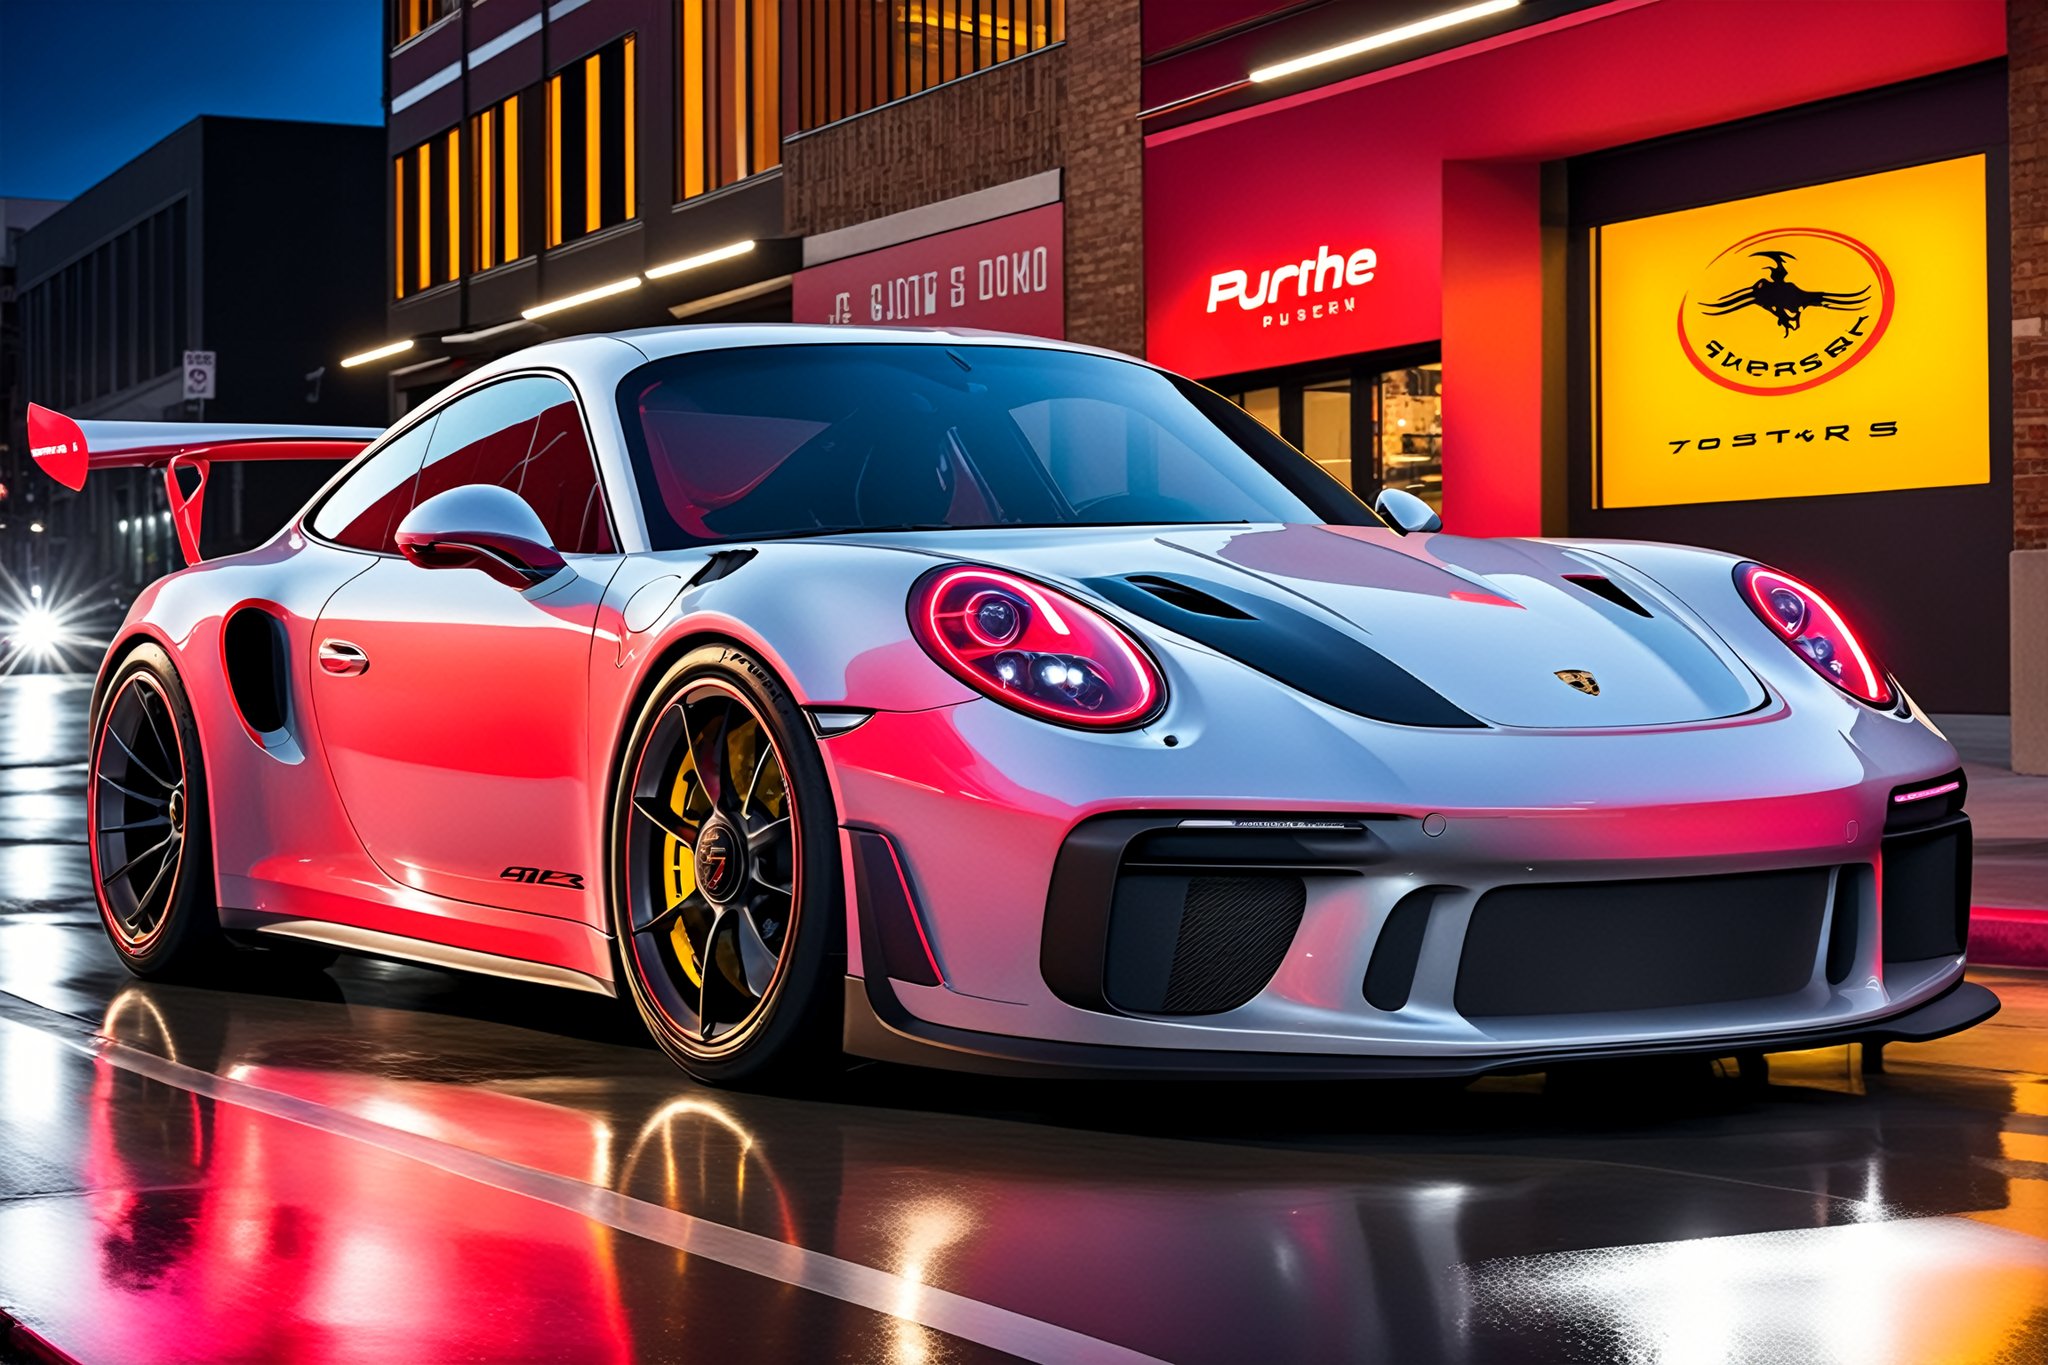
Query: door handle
x=343 y=659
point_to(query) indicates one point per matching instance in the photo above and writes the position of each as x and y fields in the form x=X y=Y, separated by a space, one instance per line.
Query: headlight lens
x=1033 y=649
x=1809 y=624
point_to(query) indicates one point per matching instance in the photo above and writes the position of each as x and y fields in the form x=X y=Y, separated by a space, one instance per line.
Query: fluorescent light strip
x=723 y=253
x=365 y=357
x=1943 y=790
x=1448 y=19
x=541 y=310
x=484 y=334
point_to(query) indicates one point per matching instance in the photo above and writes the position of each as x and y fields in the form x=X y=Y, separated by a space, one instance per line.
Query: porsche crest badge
x=1580 y=679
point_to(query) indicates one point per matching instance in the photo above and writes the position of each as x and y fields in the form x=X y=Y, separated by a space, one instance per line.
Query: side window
x=526 y=435
x=364 y=511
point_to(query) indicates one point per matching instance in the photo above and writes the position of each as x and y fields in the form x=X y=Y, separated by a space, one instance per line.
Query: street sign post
x=199 y=374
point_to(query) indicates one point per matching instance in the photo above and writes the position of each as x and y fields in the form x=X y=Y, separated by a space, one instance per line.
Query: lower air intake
x=1190 y=944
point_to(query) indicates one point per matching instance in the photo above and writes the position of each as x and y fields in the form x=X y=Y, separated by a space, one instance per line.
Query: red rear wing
x=67 y=451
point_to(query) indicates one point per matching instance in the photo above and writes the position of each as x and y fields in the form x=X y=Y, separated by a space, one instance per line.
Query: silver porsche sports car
x=994 y=703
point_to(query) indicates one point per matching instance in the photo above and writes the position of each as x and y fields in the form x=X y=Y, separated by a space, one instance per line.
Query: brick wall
x=1071 y=108
x=1105 y=178
x=2027 y=75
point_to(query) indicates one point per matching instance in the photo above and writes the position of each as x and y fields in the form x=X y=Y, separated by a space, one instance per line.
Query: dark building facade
x=242 y=237
x=17 y=216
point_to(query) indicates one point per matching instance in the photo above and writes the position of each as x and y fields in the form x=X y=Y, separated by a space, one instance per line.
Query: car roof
x=655 y=343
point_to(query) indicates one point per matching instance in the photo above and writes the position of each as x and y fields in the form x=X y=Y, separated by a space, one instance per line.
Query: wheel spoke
x=142 y=705
x=150 y=823
x=135 y=760
x=767 y=836
x=727 y=998
x=130 y=792
x=126 y=867
x=664 y=818
x=142 y=901
x=754 y=782
x=659 y=921
x=757 y=959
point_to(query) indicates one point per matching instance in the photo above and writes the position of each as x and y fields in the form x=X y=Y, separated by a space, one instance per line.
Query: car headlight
x=1033 y=648
x=1811 y=627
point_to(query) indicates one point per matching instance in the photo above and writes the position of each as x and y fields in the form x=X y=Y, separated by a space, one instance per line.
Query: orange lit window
x=590 y=163
x=730 y=93
x=505 y=146
x=410 y=18
x=426 y=199
x=856 y=54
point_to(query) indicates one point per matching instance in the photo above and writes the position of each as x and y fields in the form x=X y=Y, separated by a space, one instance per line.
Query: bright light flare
x=37 y=632
x=56 y=625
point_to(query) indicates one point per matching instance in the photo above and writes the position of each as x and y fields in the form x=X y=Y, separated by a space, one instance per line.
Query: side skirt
x=376 y=943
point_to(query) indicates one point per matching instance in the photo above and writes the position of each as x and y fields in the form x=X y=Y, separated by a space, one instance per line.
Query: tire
x=726 y=888
x=148 y=824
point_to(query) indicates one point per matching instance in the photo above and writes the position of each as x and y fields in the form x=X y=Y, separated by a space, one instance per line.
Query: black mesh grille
x=1233 y=934
x=1187 y=944
x=1596 y=946
x=1926 y=902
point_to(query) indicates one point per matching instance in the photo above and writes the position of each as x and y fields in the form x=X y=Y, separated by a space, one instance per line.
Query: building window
x=426 y=201
x=411 y=18
x=111 y=319
x=1369 y=426
x=856 y=54
x=505 y=152
x=590 y=144
x=729 y=107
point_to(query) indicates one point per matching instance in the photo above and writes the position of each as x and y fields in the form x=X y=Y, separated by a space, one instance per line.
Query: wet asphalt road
x=381 y=1162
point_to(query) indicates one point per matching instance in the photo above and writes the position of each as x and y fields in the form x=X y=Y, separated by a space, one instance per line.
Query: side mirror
x=484 y=527
x=1405 y=512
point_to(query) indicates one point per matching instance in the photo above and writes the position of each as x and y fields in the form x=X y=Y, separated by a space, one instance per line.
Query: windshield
x=760 y=442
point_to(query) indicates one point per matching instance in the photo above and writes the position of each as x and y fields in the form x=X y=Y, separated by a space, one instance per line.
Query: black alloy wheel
x=726 y=895
x=146 y=816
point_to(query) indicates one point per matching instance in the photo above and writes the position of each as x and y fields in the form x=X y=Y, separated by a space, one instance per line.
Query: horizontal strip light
x=723 y=253
x=485 y=333
x=365 y=357
x=603 y=291
x=1944 y=789
x=1385 y=38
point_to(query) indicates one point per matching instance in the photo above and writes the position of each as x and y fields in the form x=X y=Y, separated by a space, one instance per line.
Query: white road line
x=848 y=1281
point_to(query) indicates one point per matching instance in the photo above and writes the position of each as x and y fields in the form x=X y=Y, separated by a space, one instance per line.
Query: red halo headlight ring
x=1814 y=630
x=1034 y=649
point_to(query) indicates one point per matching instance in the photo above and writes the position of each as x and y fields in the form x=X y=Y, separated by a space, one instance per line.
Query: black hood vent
x=1307 y=653
x=1604 y=587
x=1186 y=596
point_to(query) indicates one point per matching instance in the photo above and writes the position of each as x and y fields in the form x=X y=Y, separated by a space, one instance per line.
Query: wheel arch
x=132 y=636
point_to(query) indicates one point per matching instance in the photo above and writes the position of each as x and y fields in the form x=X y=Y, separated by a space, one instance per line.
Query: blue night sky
x=87 y=84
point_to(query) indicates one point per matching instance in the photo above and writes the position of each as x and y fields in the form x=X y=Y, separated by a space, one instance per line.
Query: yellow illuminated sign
x=1831 y=339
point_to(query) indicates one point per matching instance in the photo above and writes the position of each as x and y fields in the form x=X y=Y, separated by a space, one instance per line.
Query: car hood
x=1506 y=632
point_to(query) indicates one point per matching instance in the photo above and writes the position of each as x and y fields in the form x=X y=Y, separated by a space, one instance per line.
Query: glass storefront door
x=1372 y=421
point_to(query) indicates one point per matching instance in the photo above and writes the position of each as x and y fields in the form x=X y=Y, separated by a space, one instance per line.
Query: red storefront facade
x=1318 y=245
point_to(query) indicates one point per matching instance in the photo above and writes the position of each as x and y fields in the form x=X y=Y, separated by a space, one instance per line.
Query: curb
x=2008 y=937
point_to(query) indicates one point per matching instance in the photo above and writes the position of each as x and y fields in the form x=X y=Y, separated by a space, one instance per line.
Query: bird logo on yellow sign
x=1580 y=680
x=1753 y=327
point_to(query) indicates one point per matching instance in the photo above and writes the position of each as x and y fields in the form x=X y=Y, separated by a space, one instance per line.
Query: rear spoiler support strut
x=67 y=451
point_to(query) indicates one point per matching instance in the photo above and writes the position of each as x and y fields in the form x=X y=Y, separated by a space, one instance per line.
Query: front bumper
x=981 y=807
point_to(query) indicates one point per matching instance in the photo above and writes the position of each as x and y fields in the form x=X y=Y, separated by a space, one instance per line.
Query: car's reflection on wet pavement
x=384 y=1163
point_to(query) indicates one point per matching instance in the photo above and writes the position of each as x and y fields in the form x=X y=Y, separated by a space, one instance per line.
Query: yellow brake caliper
x=681 y=863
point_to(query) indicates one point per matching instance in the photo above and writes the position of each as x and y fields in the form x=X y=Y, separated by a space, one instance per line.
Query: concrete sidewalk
x=2009 y=818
